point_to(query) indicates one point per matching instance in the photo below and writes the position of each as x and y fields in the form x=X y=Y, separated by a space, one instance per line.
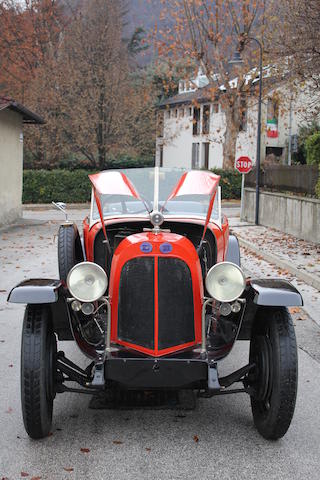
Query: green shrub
x=43 y=186
x=230 y=183
x=313 y=149
x=73 y=186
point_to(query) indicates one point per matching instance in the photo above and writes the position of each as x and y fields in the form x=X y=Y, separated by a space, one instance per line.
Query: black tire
x=273 y=349
x=38 y=371
x=69 y=249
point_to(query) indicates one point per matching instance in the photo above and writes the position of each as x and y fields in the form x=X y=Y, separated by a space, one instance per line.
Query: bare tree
x=298 y=47
x=207 y=32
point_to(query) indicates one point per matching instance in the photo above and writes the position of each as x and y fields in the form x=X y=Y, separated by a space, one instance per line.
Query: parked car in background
x=154 y=296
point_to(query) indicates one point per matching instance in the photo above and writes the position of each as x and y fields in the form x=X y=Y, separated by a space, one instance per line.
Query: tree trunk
x=101 y=131
x=230 y=137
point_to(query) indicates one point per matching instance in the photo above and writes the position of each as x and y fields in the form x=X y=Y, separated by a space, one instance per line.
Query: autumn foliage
x=70 y=62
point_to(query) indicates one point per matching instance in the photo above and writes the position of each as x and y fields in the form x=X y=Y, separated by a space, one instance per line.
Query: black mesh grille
x=136 y=302
x=176 y=320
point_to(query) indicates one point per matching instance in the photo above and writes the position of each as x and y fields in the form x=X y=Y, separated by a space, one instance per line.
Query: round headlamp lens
x=225 y=282
x=87 y=281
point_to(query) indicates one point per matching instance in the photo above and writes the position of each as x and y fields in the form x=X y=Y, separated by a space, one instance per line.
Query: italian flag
x=272 y=128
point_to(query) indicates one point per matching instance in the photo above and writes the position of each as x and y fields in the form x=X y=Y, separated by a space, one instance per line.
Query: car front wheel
x=273 y=349
x=38 y=367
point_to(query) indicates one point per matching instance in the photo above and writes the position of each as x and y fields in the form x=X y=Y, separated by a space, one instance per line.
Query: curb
x=49 y=206
x=269 y=257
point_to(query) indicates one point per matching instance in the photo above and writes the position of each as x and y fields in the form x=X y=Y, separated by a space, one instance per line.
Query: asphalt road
x=216 y=440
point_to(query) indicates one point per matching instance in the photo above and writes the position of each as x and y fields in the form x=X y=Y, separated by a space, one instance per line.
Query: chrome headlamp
x=225 y=282
x=87 y=281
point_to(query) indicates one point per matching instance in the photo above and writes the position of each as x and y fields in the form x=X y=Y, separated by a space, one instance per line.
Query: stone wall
x=11 y=158
x=298 y=216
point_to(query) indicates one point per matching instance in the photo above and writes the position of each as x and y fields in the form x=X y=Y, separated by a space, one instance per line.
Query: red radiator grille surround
x=183 y=250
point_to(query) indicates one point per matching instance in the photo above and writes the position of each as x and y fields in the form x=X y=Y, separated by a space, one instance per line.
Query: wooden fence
x=293 y=178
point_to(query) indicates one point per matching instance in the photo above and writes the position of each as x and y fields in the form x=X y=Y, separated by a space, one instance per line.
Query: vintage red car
x=154 y=296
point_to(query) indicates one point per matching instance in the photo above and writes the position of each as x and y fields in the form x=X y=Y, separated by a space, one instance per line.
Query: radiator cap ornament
x=156 y=218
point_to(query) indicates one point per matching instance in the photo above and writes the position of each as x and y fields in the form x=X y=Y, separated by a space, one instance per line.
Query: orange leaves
x=294 y=310
x=84 y=450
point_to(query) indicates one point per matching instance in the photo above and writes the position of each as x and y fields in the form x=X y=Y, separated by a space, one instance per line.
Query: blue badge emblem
x=166 y=248
x=146 y=247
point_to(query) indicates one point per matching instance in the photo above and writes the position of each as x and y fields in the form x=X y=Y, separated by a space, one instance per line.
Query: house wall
x=178 y=137
x=11 y=158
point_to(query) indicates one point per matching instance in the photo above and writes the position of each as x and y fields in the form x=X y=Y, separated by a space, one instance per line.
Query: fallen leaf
x=36 y=478
x=196 y=438
x=24 y=474
x=3 y=291
x=117 y=442
x=148 y=449
x=294 y=310
x=85 y=450
x=10 y=366
x=9 y=410
x=68 y=469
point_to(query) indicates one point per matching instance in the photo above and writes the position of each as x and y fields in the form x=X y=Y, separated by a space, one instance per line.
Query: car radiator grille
x=142 y=311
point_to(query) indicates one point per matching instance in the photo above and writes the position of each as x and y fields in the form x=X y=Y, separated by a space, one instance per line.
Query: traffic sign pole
x=243 y=165
x=242 y=196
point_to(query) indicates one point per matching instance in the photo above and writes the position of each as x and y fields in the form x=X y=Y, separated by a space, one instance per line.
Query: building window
x=205 y=155
x=243 y=115
x=215 y=107
x=190 y=111
x=161 y=156
x=181 y=112
x=168 y=114
x=160 y=126
x=206 y=119
x=195 y=155
x=196 y=121
x=176 y=113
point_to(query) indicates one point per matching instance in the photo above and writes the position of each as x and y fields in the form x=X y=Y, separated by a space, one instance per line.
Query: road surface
x=216 y=440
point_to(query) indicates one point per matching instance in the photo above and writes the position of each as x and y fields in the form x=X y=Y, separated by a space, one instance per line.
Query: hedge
x=230 y=184
x=313 y=149
x=45 y=186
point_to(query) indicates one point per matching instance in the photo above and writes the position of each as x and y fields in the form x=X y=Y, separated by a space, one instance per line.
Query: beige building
x=13 y=116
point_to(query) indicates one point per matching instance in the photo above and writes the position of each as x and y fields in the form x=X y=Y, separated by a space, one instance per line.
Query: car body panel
x=276 y=293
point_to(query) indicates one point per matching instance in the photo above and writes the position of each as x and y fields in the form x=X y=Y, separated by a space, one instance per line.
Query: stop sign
x=244 y=164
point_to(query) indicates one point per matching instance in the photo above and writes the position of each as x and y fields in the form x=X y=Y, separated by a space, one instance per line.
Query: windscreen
x=143 y=180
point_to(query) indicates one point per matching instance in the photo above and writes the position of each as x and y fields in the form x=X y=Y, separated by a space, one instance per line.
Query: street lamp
x=237 y=60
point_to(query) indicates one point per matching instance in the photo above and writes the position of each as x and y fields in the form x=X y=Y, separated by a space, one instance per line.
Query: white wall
x=11 y=158
x=178 y=138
